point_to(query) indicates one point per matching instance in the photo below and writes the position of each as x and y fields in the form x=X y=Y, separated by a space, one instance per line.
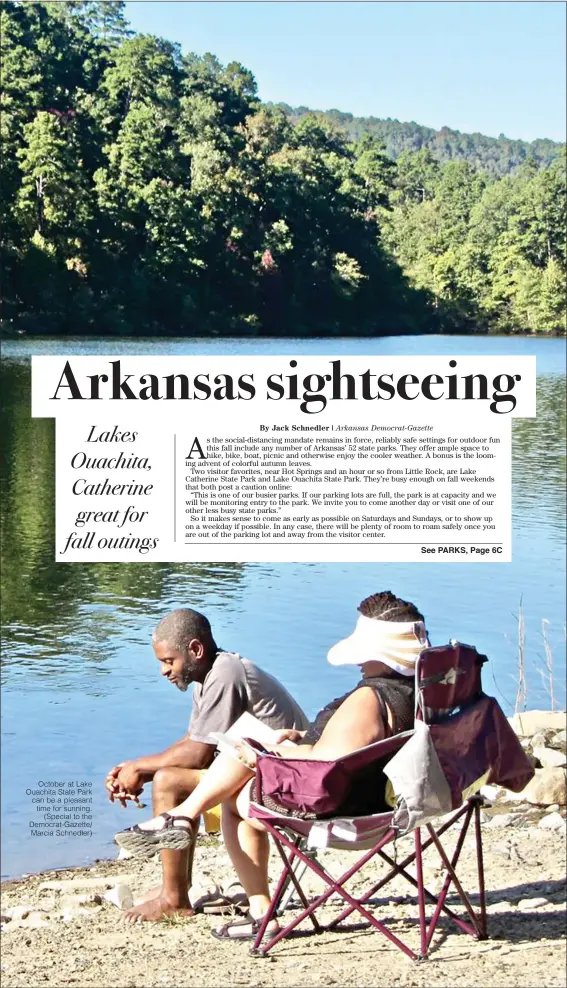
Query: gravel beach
x=58 y=929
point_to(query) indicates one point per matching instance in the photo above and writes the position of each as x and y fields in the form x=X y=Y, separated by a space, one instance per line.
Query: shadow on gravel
x=512 y=926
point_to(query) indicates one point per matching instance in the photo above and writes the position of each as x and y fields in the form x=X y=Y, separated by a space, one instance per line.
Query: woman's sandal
x=243 y=929
x=170 y=837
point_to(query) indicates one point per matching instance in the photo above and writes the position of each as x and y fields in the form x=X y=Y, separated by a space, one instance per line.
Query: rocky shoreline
x=64 y=927
x=543 y=736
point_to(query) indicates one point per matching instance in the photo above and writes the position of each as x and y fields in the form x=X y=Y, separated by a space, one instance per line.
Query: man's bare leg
x=224 y=779
x=170 y=787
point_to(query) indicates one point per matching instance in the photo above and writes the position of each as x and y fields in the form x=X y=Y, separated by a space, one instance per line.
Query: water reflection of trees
x=53 y=608
x=45 y=604
x=538 y=453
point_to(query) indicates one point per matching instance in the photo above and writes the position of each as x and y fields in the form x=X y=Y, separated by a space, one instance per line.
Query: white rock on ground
x=491 y=792
x=70 y=901
x=498 y=907
x=553 y=821
x=502 y=847
x=550 y=757
x=508 y=796
x=17 y=912
x=527 y=904
x=531 y=721
x=121 y=896
x=502 y=820
x=539 y=739
x=549 y=785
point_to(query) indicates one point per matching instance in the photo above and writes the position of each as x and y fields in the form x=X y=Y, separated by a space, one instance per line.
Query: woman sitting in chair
x=389 y=636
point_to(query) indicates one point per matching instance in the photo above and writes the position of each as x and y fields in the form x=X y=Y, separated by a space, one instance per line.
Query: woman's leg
x=225 y=777
x=248 y=846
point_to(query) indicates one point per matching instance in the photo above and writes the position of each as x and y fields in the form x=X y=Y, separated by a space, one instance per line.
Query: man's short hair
x=181 y=626
x=386 y=607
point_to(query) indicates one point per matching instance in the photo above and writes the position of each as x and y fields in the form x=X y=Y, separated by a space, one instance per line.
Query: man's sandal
x=212 y=900
x=243 y=929
x=170 y=837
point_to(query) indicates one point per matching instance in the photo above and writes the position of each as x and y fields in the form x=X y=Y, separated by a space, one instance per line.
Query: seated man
x=226 y=686
x=389 y=636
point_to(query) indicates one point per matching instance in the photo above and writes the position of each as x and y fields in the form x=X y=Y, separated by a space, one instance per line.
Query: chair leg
x=400 y=868
x=442 y=895
x=295 y=872
x=333 y=886
x=480 y=867
x=420 y=894
x=289 y=888
x=299 y=868
x=452 y=875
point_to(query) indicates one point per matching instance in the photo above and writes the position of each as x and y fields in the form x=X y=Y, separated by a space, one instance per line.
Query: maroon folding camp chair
x=461 y=741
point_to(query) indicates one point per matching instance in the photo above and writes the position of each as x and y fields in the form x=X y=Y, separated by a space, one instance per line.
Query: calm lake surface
x=80 y=683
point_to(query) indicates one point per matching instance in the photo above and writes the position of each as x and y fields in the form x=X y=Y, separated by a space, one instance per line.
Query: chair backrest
x=448 y=677
x=462 y=739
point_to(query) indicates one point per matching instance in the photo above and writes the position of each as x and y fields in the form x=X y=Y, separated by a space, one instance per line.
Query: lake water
x=80 y=683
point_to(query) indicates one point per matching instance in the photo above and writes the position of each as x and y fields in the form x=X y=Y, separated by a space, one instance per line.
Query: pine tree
x=52 y=200
x=106 y=19
x=552 y=317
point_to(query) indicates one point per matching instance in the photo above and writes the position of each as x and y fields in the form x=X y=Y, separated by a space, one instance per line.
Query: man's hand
x=110 y=782
x=124 y=782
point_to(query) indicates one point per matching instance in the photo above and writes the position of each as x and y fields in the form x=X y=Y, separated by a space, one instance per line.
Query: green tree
x=146 y=190
x=53 y=198
x=143 y=69
x=106 y=19
x=540 y=221
x=417 y=177
x=232 y=88
x=552 y=315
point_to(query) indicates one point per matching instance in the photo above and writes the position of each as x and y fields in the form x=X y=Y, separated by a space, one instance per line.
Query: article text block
x=275 y=459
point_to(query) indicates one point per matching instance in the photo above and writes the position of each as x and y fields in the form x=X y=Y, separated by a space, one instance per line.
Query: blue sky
x=493 y=67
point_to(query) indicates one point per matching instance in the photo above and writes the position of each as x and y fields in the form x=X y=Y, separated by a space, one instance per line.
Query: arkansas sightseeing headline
x=313 y=391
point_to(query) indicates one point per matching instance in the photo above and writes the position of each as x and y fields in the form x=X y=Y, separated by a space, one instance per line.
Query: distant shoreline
x=24 y=335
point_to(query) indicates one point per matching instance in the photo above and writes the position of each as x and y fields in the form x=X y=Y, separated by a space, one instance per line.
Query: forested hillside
x=496 y=155
x=149 y=191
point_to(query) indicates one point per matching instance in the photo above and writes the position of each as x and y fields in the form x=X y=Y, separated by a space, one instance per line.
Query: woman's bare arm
x=356 y=723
